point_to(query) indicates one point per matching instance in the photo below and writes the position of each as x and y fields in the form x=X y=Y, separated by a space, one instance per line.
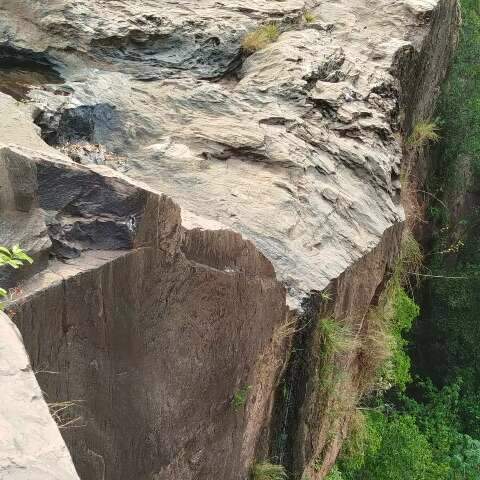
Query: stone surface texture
x=183 y=200
x=296 y=147
x=31 y=447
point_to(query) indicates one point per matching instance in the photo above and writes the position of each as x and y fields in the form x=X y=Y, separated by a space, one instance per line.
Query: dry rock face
x=286 y=165
x=31 y=447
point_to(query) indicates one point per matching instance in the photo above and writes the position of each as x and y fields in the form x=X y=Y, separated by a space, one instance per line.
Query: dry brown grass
x=414 y=205
x=64 y=414
x=261 y=37
x=375 y=349
x=288 y=329
x=423 y=133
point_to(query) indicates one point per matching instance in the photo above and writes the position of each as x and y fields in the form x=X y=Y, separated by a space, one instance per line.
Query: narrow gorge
x=221 y=200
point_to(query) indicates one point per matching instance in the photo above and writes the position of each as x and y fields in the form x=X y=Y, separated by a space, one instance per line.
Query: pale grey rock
x=250 y=144
x=31 y=447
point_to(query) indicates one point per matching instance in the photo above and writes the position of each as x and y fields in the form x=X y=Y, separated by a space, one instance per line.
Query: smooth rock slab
x=31 y=447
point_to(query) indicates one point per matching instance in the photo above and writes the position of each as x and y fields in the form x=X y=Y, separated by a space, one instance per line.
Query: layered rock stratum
x=184 y=200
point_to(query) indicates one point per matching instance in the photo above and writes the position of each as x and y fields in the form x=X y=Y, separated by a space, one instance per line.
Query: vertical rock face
x=31 y=446
x=152 y=343
x=286 y=165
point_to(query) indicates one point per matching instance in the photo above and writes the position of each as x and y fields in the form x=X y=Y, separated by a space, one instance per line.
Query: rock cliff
x=187 y=201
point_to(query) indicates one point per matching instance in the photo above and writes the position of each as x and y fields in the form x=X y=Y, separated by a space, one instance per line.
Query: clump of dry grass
x=309 y=16
x=336 y=340
x=409 y=262
x=63 y=414
x=288 y=329
x=423 y=133
x=375 y=350
x=261 y=37
x=414 y=207
x=336 y=337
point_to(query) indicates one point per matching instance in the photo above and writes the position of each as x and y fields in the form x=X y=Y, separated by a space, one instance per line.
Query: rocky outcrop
x=148 y=325
x=309 y=124
x=31 y=447
x=286 y=165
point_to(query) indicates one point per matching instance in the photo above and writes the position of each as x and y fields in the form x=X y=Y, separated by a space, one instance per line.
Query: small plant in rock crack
x=240 y=398
x=261 y=37
x=423 y=133
x=309 y=17
x=326 y=296
x=15 y=258
x=268 y=471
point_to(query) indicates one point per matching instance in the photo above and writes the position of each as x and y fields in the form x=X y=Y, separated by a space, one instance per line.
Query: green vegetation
x=261 y=37
x=335 y=474
x=335 y=336
x=309 y=17
x=405 y=312
x=384 y=359
x=335 y=339
x=423 y=133
x=15 y=258
x=268 y=471
x=417 y=440
x=326 y=296
x=449 y=335
x=425 y=425
x=240 y=398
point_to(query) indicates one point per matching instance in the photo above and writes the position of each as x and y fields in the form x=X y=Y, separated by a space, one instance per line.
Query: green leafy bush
x=335 y=474
x=405 y=313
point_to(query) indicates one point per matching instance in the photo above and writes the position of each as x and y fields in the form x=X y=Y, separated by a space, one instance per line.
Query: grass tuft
x=240 y=398
x=63 y=414
x=261 y=37
x=423 y=133
x=410 y=260
x=268 y=471
x=309 y=17
x=336 y=338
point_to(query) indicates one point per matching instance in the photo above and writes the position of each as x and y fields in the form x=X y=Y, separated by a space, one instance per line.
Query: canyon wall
x=186 y=202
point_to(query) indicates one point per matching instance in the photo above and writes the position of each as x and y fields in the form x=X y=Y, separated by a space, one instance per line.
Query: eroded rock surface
x=297 y=147
x=31 y=447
